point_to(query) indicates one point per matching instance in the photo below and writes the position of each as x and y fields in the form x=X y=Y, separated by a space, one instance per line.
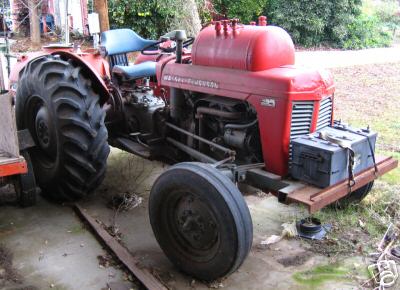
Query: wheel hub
x=195 y=223
x=44 y=130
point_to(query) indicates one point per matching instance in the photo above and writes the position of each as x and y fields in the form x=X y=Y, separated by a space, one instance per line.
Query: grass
x=321 y=274
x=392 y=177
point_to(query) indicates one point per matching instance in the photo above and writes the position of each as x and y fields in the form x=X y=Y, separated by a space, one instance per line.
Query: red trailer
x=15 y=166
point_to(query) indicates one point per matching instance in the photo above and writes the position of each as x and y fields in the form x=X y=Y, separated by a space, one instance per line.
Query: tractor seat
x=130 y=72
x=117 y=43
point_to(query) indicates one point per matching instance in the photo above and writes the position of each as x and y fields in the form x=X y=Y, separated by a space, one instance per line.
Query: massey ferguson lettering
x=190 y=81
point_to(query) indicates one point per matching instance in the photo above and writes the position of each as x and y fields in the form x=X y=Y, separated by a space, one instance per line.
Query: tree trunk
x=34 y=22
x=101 y=7
x=188 y=17
x=57 y=14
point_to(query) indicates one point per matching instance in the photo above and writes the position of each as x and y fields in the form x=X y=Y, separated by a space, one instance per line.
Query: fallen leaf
x=271 y=240
x=289 y=230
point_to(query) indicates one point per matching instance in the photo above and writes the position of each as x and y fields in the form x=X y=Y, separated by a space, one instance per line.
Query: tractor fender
x=94 y=65
x=22 y=61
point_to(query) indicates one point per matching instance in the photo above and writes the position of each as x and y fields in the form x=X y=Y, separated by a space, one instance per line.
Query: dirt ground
x=346 y=58
x=46 y=246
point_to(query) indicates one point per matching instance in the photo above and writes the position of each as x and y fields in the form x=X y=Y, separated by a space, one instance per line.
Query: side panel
x=273 y=124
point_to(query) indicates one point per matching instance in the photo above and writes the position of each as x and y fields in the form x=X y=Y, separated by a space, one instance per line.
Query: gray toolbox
x=322 y=158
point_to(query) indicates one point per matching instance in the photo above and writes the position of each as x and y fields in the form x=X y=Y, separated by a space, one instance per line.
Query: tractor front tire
x=55 y=101
x=200 y=220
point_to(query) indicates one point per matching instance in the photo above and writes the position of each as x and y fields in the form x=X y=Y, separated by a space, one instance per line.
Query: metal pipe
x=219 y=113
x=240 y=126
x=177 y=103
x=66 y=23
x=192 y=152
x=201 y=133
x=179 y=50
x=194 y=136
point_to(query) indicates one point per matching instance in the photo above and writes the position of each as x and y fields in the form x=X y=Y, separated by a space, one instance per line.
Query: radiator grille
x=325 y=113
x=302 y=114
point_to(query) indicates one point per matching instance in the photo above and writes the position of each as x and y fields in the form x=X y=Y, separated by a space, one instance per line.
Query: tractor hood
x=280 y=82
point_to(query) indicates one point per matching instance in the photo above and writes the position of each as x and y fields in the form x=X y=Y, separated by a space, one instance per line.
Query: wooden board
x=131 y=262
x=8 y=131
x=316 y=198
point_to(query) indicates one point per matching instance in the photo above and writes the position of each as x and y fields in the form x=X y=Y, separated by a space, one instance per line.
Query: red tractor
x=229 y=104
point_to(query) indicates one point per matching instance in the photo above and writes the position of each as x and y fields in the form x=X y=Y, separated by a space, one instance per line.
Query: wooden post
x=101 y=7
x=34 y=21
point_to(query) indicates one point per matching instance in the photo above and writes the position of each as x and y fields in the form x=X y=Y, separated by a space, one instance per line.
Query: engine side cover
x=243 y=47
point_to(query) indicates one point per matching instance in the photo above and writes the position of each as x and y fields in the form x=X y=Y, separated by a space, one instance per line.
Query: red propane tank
x=244 y=47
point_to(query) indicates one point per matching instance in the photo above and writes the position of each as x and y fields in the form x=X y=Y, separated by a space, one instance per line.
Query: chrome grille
x=302 y=114
x=324 y=113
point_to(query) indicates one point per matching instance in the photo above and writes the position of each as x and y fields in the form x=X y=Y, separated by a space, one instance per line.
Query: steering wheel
x=149 y=50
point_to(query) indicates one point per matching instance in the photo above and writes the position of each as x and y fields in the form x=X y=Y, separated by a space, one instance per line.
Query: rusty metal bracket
x=126 y=258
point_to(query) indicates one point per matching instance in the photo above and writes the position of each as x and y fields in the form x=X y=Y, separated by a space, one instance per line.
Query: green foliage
x=366 y=31
x=149 y=18
x=337 y=23
x=314 y=22
x=388 y=13
x=245 y=10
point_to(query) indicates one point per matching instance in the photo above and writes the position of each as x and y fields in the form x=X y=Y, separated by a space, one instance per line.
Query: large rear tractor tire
x=201 y=221
x=56 y=103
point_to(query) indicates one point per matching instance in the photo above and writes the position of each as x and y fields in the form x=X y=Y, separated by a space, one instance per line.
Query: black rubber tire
x=229 y=224
x=309 y=226
x=25 y=184
x=71 y=153
x=354 y=197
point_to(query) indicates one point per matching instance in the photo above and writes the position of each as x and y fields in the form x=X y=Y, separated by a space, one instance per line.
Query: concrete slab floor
x=51 y=249
x=40 y=236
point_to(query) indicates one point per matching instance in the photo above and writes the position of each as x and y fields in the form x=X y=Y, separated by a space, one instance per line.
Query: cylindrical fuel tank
x=244 y=47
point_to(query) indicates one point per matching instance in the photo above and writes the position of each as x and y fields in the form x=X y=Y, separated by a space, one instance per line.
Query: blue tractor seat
x=141 y=70
x=117 y=43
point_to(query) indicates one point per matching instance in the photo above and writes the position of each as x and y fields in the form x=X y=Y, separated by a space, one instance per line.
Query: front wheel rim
x=193 y=226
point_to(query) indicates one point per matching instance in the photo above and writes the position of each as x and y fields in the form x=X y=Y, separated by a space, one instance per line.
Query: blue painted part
x=141 y=70
x=122 y=41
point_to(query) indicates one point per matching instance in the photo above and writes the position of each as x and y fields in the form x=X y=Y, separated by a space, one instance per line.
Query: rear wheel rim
x=42 y=128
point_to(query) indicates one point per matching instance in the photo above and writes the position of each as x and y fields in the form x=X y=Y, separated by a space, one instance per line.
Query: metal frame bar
x=13 y=166
x=201 y=139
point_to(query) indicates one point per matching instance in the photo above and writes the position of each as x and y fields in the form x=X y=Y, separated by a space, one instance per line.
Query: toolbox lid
x=342 y=134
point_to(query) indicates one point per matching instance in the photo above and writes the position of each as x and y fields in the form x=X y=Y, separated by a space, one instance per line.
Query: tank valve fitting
x=262 y=21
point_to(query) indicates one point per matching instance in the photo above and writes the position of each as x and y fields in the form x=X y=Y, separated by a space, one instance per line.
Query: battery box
x=322 y=158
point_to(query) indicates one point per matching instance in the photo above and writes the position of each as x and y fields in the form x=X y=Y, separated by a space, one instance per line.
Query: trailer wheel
x=354 y=197
x=25 y=184
x=56 y=103
x=200 y=220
